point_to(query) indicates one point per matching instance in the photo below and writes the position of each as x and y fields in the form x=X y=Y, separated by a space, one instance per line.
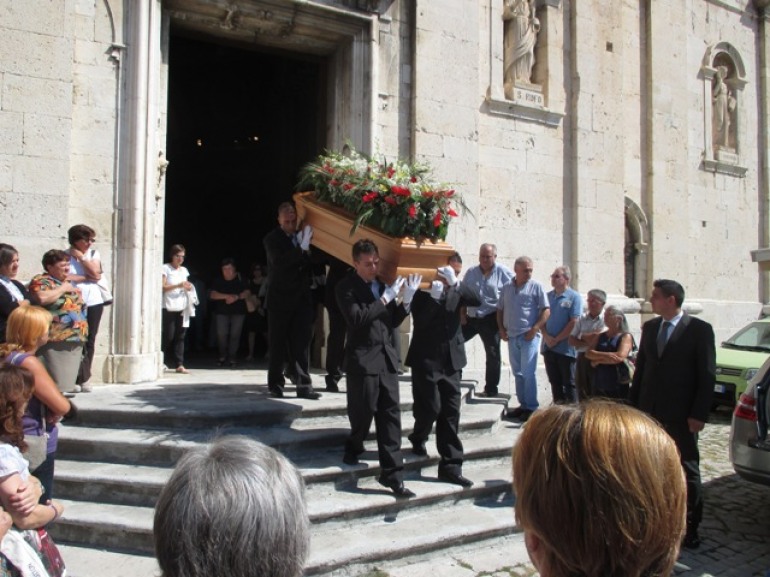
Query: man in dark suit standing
x=371 y=361
x=437 y=355
x=674 y=382
x=289 y=303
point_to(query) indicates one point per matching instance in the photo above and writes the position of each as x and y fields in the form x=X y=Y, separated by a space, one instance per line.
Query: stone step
x=230 y=404
x=165 y=446
x=349 y=514
x=129 y=484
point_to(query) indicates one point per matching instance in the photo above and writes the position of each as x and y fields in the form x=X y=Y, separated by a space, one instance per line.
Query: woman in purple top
x=27 y=330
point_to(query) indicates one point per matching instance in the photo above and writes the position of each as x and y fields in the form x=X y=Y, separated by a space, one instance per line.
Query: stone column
x=763 y=141
x=139 y=215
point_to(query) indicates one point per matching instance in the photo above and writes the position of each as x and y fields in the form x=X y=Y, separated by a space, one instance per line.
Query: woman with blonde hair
x=26 y=331
x=599 y=492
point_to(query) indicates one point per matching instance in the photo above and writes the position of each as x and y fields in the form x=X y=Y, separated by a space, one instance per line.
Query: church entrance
x=241 y=124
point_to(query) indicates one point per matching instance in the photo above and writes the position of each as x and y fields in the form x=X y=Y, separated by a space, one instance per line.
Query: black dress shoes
x=350 y=459
x=398 y=488
x=515 y=413
x=454 y=478
x=331 y=385
x=691 y=539
x=276 y=392
x=308 y=393
x=419 y=450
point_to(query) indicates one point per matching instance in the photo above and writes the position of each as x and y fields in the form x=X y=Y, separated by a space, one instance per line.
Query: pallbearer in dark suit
x=674 y=382
x=371 y=361
x=436 y=356
x=289 y=304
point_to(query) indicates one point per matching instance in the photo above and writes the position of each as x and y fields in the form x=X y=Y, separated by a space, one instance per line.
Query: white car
x=749 y=441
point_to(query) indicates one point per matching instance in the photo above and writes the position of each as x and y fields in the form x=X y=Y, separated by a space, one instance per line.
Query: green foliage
x=398 y=198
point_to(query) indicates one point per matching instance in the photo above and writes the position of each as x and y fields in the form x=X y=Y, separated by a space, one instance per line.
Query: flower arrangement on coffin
x=398 y=198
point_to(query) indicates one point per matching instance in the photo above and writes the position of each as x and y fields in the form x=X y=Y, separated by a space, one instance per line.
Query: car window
x=753 y=335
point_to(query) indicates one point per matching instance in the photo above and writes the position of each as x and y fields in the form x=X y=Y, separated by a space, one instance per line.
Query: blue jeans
x=523 y=355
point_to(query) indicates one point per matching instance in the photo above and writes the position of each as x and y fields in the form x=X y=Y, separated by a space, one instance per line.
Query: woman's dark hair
x=16 y=386
x=176 y=249
x=54 y=256
x=7 y=252
x=229 y=261
x=80 y=232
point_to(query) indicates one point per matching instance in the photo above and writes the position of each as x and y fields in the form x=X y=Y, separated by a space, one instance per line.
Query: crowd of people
x=596 y=373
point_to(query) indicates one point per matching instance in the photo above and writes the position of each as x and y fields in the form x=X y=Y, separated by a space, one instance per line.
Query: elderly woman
x=69 y=330
x=27 y=331
x=236 y=508
x=85 y=272
x=612 y=376
x=12 y=292
x=599 y=492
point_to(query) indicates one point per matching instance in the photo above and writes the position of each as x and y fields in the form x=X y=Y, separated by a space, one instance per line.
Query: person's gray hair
x=565 y=271
x=488 y=245
x=235 y=507
x=522 y=260
x=616 y=312
x=598 y=294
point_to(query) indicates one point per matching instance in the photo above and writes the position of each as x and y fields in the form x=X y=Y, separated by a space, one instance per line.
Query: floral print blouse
x=69 y=311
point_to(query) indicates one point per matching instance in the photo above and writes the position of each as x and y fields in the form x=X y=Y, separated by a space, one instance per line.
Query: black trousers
x=687 y=443
x=289 y=330
x=94 y=318
x=561 y=374
x=335 y=347
x=486 y=328
x=437 y=400
x=583 y=377
x=173 y=334
x=376 y=397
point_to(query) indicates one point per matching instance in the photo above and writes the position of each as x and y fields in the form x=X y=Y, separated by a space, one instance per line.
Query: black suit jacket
x=437 y=340
x=680 y=383
x=370 y=324
x=289 y=272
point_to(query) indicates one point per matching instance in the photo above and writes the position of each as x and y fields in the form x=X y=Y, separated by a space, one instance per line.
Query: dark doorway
x=241 y=123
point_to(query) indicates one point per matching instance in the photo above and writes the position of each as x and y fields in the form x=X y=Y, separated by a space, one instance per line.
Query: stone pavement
x=735 y=530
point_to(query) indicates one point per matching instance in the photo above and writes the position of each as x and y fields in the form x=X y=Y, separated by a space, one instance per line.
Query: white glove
x=305 y=236
x=448 y=273
x=392 y=291
x=436 y=289
x=412 y=286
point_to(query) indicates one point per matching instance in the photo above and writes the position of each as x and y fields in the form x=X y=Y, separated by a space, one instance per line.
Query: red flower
x=428 y=194
x=391 y=200
x=391 y=171
x=369 y=197
x=449 y=193
x=413 y=179
x=334 y=182
x=452 y=212
x=400 y=190
x=437 y=219
x=348 y=186
x=412 y=211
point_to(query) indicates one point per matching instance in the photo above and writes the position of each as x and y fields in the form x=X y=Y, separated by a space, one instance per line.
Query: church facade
x=626 y=139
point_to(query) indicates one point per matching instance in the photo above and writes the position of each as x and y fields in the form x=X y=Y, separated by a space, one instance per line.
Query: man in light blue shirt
x=485 y=281
x=560 y=357
x=522 y=312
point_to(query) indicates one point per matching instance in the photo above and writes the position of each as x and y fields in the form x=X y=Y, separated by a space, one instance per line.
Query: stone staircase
x=113 y=463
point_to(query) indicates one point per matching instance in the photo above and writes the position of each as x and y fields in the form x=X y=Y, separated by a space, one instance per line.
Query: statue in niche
x=724 y=111
x=520 y=28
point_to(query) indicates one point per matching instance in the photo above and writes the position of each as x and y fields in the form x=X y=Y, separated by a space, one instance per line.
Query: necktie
x=663 y=334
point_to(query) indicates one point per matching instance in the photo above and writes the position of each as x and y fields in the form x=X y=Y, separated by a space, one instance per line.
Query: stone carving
x=724 y=105
x=520 y=28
